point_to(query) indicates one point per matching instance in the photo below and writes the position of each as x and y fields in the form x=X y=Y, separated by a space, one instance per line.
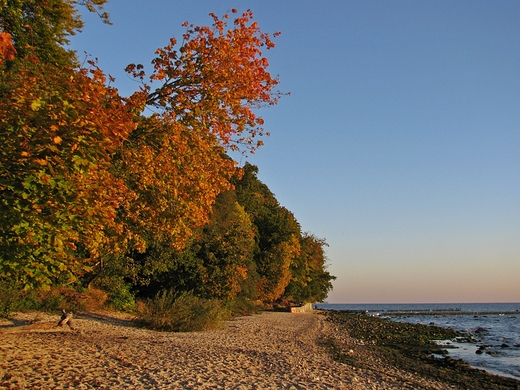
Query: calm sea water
x=497 y=333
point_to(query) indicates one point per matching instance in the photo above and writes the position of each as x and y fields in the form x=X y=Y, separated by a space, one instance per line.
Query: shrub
x=94 y=299
x=51 y=300
x=120 y=295
x=14 y=298
x=242 y=306
x=10 y=300
x=122 y=298
x=183 y=312
x=71 y=299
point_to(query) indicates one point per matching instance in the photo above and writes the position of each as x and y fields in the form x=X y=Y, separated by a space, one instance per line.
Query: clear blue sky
x=399 y=143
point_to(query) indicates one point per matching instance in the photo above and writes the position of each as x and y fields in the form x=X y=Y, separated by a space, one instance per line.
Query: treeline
x=250 y=255
x=137 y=195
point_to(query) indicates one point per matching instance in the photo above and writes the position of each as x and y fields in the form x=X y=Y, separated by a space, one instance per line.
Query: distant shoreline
x=432 y=312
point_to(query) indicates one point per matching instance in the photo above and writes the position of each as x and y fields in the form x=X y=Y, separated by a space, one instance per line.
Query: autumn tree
x=277 y=236
x=86 y=175
x=40 y=28
x=59 y=126
x=202 y=94
x=310 y=281
x=217 y=261
x=58 y=130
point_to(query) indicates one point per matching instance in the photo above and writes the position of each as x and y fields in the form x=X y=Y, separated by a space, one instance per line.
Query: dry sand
x=272 y=350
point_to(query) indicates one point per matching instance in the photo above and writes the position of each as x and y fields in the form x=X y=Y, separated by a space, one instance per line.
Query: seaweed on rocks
x=407 y=347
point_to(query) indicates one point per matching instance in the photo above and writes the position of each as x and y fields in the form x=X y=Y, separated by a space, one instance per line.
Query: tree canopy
x=93 y=187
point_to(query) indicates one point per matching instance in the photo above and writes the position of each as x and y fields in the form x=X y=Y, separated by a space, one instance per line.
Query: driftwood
x=66 y=318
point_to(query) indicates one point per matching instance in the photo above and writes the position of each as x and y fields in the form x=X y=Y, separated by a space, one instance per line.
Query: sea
x=495 y=327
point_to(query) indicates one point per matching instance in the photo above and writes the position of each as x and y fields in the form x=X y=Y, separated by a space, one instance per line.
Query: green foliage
x=40 y=28
x=182 y=312
x=225 y=248
x=310 y=280
x=122 y=298
x=109 y=277
x=277 y=234
x=215 y=264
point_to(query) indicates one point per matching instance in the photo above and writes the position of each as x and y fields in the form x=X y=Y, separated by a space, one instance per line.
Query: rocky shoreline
x=272 y=350
x=409 y=347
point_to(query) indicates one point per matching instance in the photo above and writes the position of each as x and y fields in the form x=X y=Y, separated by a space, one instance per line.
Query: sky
x=399 y=141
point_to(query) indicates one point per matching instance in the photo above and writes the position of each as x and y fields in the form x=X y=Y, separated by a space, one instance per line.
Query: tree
x=85 y=175
x=40 y=28
x=175 y=161
x=277 y=238
x=215 y=80
x=226 y=249
x=216 y=263
x=58 y=125
x=58 y=130
x=310 y=280
x=292 y=266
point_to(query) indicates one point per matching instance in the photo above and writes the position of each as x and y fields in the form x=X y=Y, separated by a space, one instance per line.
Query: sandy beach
x=272 y=350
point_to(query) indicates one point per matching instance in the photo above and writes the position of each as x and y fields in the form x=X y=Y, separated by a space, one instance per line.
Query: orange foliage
x=7 y=50
x=85 y=167
x=215 y=80
x=59 y=131
x=177 y=174
x=208 y=89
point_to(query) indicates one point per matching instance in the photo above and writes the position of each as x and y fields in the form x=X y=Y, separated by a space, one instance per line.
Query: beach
x=271 y=350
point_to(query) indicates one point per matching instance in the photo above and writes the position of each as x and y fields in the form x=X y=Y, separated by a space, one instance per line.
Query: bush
x=51 y=300
x=183 y=312
x=10 y=299
x=242 y=306
x=119 y=293
x=122 y=298
x=13 y=298
x=70 y=299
